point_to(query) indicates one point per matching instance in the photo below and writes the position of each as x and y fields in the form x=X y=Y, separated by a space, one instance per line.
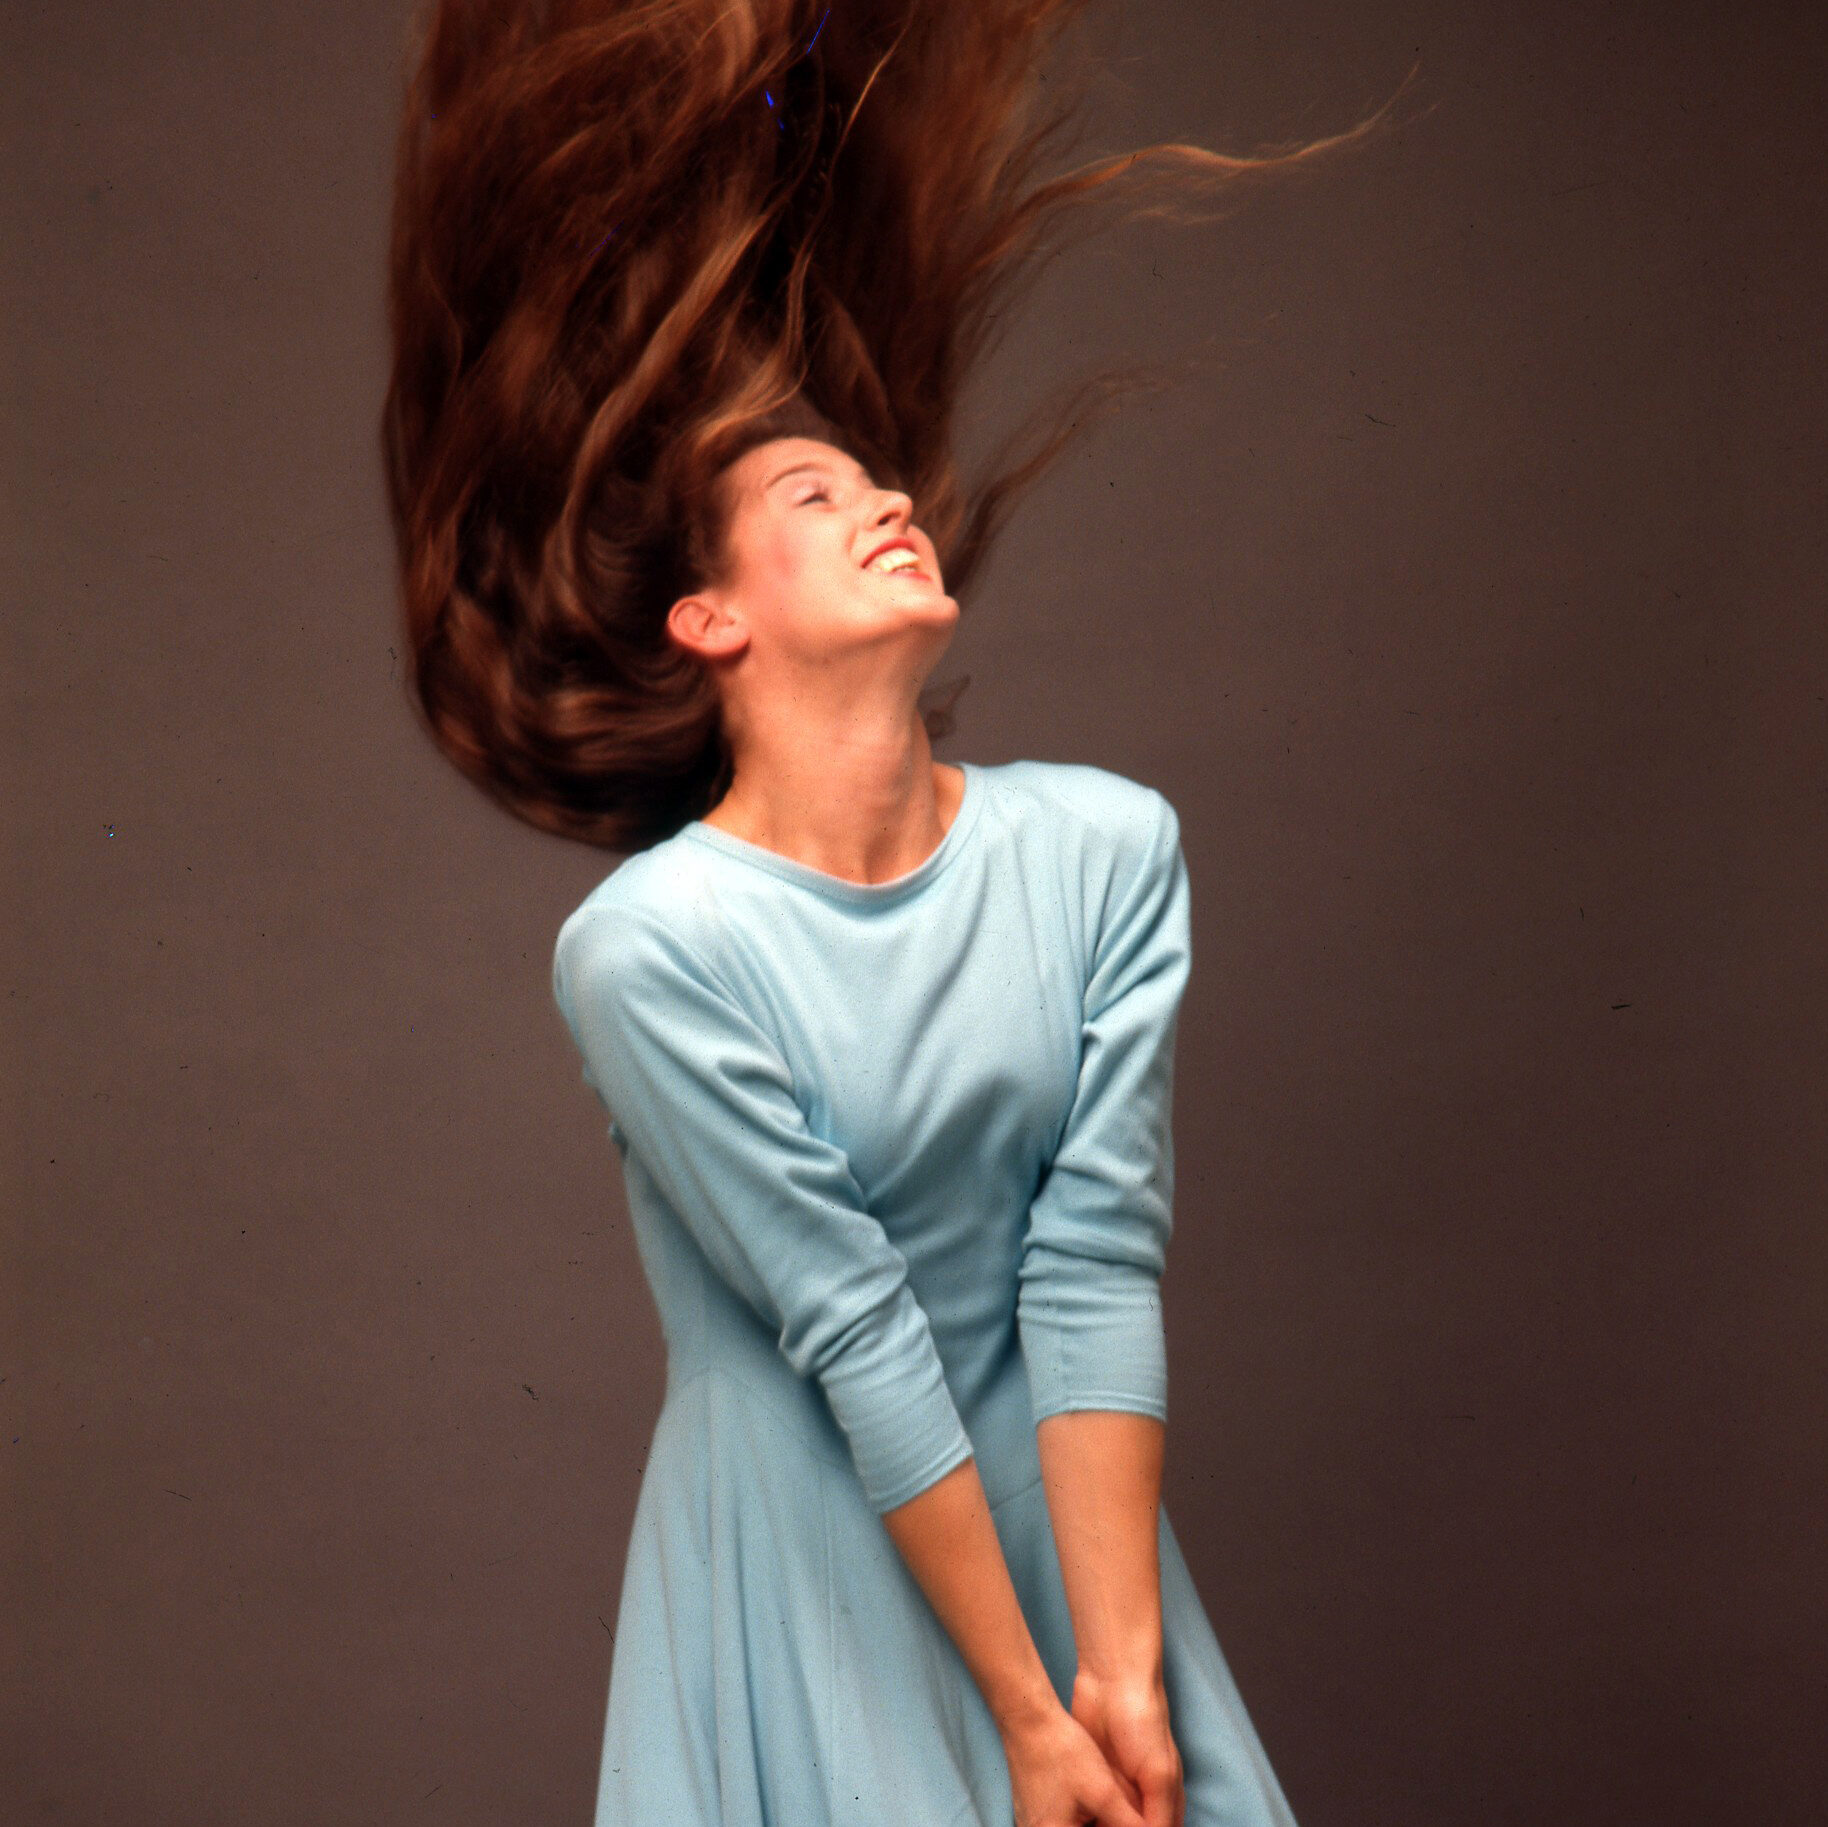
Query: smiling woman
x=886 y=1045
x=827 y=609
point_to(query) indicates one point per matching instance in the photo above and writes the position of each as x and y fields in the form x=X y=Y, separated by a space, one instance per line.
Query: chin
x=940 y=612
x=939 y=598
x=921 y=603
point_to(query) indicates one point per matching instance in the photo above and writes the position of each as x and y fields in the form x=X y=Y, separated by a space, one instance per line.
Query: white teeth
x=901 y=559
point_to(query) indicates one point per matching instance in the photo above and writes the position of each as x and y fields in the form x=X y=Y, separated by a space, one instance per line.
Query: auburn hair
x=630 y=241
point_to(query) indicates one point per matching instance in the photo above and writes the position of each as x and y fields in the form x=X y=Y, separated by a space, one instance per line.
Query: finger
x=1132 y=1792
x=1117 y=1812
x=1162 y=1794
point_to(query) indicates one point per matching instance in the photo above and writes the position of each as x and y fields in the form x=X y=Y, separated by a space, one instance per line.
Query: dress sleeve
x=1089 y=1299
x=705 y=1100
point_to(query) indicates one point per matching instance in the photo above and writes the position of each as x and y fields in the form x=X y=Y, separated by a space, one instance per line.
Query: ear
x=705 y=625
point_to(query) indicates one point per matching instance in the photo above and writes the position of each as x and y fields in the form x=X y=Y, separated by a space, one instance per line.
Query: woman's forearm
x=947 y=1537
x=1102 y=1471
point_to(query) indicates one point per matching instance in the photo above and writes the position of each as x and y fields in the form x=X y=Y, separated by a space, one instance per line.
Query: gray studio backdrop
x=1471 y=614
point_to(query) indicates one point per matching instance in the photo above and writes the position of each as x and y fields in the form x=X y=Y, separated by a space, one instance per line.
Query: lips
x=899 y=542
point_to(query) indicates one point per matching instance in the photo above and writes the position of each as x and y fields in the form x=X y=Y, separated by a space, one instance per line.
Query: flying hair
x=631 y=241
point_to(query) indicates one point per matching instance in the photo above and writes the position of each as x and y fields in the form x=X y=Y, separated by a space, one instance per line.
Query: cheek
x=809 y=558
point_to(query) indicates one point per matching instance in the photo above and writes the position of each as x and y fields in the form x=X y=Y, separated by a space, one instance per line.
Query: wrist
x=1139 y=1672
x=1126 y=1656
x=1025 y=1705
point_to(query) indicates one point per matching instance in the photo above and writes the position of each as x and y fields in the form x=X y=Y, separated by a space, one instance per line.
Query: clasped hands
x=1109 y=1760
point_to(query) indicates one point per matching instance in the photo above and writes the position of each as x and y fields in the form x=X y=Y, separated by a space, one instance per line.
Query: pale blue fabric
x=899 y=1163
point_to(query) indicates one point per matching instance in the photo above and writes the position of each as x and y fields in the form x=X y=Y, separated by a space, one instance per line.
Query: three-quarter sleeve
x=705 y=1099
x=1089 y=1301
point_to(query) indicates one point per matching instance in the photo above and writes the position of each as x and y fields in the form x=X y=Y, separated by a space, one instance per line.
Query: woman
x=683 y=298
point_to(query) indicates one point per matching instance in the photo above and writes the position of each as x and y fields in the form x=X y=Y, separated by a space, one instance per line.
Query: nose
x=892 y=504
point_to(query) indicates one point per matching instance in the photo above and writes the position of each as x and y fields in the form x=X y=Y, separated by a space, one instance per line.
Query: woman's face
x=819 y=563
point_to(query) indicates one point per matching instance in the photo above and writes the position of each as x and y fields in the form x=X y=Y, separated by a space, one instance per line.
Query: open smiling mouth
x=899 y=563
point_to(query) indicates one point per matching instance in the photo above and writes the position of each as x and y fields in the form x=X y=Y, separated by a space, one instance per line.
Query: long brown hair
x=630 y=241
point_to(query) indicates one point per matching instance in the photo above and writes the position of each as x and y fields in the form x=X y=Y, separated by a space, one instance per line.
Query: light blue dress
x=899 y=1164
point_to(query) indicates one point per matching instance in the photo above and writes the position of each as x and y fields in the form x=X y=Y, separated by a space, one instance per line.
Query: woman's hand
x=1128 y=1721
x=1059 y=1777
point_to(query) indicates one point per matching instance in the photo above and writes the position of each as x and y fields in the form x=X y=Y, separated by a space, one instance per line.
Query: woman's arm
x=1102 y=1471
x=1103 y=1475
x=950 y=1543
x=1089 y=1303
x=1057 y=1767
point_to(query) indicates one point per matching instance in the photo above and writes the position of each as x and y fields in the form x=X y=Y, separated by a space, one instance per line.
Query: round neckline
x=791 y=869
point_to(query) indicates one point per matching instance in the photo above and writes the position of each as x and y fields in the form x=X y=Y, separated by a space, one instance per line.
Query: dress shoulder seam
x=654 y=925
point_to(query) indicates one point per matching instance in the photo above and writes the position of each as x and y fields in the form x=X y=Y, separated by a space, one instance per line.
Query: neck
x=857 y=798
